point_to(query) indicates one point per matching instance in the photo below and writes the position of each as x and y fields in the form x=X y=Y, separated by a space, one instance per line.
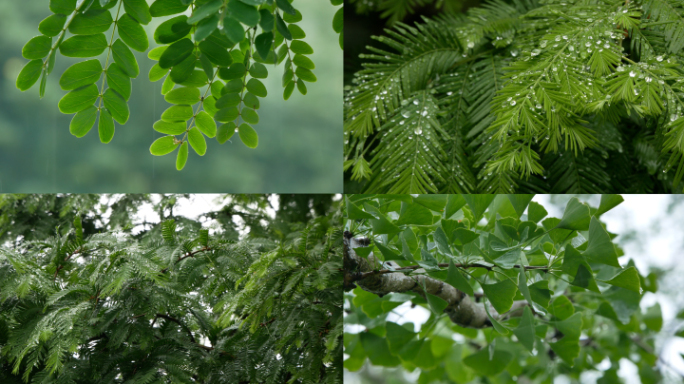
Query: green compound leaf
x=256 y=87
x=525 y=330
x=197 y=141
x=500 y=294
x=628 y=279
x=79 y=99
x=176 y=53
x=132 y=33
x=37 y=48
x=216 y=53
x=125 y=59
x=248 y=135
x=116 y=105
x=286 y=7
x=290 y=18
x=249 y=116
x=106 y=126
x=225 y=115
x=205 y=10
x=139 y=10
x=29 y=74
x=244 y=13
x=163 y=146
x=92 y=22
x=182 y=156
x=233 y=30
x=83 y=121
x=296 y=31
x=119 y=81
x=170 y=128
x=282 y=27
x=177 y=113
x=84 y=46
x=263 y=43
x=185 y=95
x=80 y=74
x=206 y=27
x=167 y=7
x=206 y=124
x=576 y=216
x=64 y=7
x=52 y=25
x=258 y=70
x=481 y=363
x=225 y=132
x=600 y=248
x=301 y=47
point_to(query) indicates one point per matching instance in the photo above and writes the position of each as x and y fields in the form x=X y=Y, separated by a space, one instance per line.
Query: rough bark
x=460 y=309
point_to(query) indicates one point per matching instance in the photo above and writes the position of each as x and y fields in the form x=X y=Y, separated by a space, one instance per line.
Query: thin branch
x=362 y=275
x=170 y=318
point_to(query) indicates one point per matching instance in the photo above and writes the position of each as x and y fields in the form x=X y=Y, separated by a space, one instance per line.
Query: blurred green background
x=300 y=140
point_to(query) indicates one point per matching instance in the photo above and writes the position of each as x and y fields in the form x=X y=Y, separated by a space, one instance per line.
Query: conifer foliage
x=541 y=96
x=175 y=302
x=212 y=57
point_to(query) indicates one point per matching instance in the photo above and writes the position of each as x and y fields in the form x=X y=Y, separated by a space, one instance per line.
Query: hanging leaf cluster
x=552 y=96
x=213 y=55
x=510 y=293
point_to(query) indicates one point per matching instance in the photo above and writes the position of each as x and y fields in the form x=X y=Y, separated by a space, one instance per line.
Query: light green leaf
x=80 y=74
x=177 y=113
x=206 y=124
x=52 y=25
x=106 y=126
x=437 y=304
x=124 y=59
x=249 y=116
x=608 y=202
x=464 y=236
x=653 y=318
x=576 y=216
x=132 y=33
x=561 y=308
x=375 y=346
x=244 y=13
x=208 y=9
x=301 y=47
x=623 y=301
x=536 y=212
x=225 y=132
x=167 y=7
x=172 y=30
x=79 y=99
x=305 y=74
x=157 y=73
x=570 y=327
x=525 y=330
x=354 y=212
x=64 y=7
x=163 y=146
x=567 y=349
x=303 y=61
x=248 y=135
x=520 y=202
x=92 y=22
x=184 y=95
x=574 y=264
x=628 y=279
x=37 y=48
x=256 y=87
x=29 y=74
x=414 y=214
x=258 y=71
x=116 y=105
x=600 y=248
x=500 y=294
x=170 y=128
x=478 y=204
x=83 y=121
x=182 y=156
x=84 y=45
x=197 y=141
x=119 y=81
x=398 y=337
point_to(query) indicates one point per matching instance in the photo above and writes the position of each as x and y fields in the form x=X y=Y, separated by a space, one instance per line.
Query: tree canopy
x=512 y=294
x=246 y=293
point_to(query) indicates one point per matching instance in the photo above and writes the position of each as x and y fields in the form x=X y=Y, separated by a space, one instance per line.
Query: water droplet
x=415 y=102
x=535 y=52
x=659 y=58
x=648 y=79
x=405 y=113
x=418 y=130
x=558 y=38
x=571 y=48
x=401 y=122
x=512 y=102
x=542 y=43
x=514 y=53
x=471 y=44
x=632 y=74
x=538 y=106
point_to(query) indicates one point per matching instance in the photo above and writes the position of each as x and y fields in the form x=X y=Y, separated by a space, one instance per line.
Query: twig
x=363 y=275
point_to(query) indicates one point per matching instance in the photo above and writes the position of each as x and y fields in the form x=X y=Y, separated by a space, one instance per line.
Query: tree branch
x=460 y=308
x=167 y=317
x=363 y=275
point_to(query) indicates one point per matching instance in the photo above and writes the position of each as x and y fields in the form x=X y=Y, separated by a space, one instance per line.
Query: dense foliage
x=512 y=294
x=112 y=299
x=540 y=96
x=215 y=54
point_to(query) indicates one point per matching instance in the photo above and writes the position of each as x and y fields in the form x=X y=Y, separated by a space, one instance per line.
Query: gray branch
x=460 y=308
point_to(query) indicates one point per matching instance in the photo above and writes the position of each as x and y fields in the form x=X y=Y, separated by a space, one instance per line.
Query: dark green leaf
x=414 y=214
x=267 y=20
x=203 y=11
x=263 y=43
x=216 y=53
x=576 y=216
x=282 y=27
x=52 y=25
x=172 y=30
x=525 y=330
x=354 y=212
x=567 y=349
x=183 y=95
x=477 y=203
x=574 y=264
x=139 y=10
x=233 y=30
x=338 y=20
x=206 y=27
x=628 y=279
x=608 y=202
x=483 y=365
x=437 y=304
x=119 y=81
x=377 y=350
x=296 y=31
x=249 y=116
x=600 y=248
x=258 y=70
x=92 y=22
x=305 y=74
x=519 y=202
x=64 y=7
x=456 y=279
x=500 y=294
x=561 y=308
x=286 y=7
x=176 y=53
x=256 y=87
x=653 y=318
x=167 y=7
x=228 y=114
x=536 y=212
x=244 y=13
